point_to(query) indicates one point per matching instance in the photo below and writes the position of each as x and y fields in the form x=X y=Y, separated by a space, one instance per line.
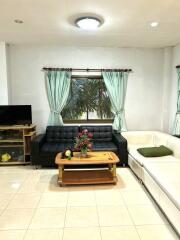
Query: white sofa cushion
x=174 y=144
x=160 y=138
x=141 y=138
x=167 y=175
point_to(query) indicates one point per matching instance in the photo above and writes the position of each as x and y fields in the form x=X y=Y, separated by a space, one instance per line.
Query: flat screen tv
x=15 y=114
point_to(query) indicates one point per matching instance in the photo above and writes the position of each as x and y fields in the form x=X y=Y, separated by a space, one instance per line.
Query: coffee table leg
x=110 y=167
x=114 y=172
x=60 y=174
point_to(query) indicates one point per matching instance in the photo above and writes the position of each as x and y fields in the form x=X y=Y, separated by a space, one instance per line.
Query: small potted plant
x=83 y=142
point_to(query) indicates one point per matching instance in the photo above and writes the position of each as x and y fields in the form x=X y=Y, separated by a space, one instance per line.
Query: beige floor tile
x=119 y=233
x=160 y=232
x=44 y=234
x=53 y=199
x=136 y=197
x=10 y=187
x=31 y=187
x=5 y=199
x=81 y=198
x=34 y=176
x=81 y=188
x=126 y=173
x=114 y=216
x=15 y=218
x=108 y=197
x=145 y=214
x=49 y=177
x=48 y=218
x=82 y=233
x=13 y=176
x=81 y=217
x=25 y=200
x=55 y=188
x=12 y=235
x=110 y=187
x=1 y=210
x=128 y=185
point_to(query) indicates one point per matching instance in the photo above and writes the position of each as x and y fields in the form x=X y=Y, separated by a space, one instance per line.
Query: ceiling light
x=88 y=23
x=154 y=24
x=18 y=21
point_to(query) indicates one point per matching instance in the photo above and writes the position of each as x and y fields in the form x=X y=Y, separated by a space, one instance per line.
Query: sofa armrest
x=37 y=143
x=121 y=144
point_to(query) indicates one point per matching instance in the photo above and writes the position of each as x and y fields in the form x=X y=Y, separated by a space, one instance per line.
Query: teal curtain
x=57 y=88
x=176 y=127
x=116 y=84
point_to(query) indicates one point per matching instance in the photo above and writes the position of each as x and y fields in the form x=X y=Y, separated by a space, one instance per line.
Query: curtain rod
x=84 y=69
x=178 y=66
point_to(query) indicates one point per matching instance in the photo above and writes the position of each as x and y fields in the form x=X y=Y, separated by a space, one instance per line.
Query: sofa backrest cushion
x=160 y=138
x=139 y=137
x=100 y=133
x=174 y=144
x=61 y=133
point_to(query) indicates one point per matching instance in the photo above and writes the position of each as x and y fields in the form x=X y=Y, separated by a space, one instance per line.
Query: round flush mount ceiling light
x=88 y=23
x=154 y=24
x=19 y=21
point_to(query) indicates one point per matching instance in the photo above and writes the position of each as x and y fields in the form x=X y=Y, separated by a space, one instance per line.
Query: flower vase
x=83 y=153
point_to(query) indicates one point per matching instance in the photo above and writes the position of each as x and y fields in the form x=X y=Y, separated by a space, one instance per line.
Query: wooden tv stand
x=15 y=143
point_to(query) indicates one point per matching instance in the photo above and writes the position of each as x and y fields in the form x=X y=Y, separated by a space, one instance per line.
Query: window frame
x=83 y=121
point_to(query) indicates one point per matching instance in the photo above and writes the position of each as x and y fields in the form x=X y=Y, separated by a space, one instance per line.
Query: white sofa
x=160 y=175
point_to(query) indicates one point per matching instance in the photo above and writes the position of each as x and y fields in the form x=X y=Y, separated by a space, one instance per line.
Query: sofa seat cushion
x=49 y=148
x=104 y=146
x=166 y=174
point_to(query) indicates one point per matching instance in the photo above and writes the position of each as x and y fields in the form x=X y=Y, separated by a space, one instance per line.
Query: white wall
x=4 y=95
x=173 y=96
x=144 y=95
x=167 y=74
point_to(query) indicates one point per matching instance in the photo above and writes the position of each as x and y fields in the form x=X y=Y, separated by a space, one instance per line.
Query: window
x=88 y=101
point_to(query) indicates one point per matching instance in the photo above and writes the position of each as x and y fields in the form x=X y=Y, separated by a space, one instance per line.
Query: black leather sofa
x=57 y=138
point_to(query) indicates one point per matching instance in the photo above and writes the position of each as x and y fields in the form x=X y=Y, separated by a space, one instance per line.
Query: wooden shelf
x=23 y=134
x=87 y=177
x=14 y=163
x=30 y=134
x=12 y=145
x=18 y=127
x=11 y=140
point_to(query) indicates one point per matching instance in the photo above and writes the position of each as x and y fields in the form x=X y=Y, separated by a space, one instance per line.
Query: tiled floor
x=33 y=207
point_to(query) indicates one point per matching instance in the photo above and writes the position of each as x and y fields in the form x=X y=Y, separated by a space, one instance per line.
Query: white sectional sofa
x=160 y=175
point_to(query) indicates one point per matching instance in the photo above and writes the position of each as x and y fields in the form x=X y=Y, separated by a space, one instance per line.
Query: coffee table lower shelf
x=87 y=177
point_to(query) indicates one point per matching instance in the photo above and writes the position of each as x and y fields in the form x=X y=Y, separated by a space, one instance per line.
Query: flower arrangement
x=82 y=142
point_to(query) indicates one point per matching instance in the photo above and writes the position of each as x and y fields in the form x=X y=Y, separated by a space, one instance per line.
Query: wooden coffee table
x=90 y=176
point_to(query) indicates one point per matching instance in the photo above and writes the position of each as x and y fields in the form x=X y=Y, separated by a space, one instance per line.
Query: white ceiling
x=126 y=22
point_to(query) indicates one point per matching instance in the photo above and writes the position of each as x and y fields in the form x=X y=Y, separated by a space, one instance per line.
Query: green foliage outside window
x=88 y=99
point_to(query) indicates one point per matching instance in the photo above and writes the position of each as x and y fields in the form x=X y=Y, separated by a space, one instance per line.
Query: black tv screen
x=15 y=114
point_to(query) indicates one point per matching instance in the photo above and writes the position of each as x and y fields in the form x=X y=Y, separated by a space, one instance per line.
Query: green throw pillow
x=155 y=151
